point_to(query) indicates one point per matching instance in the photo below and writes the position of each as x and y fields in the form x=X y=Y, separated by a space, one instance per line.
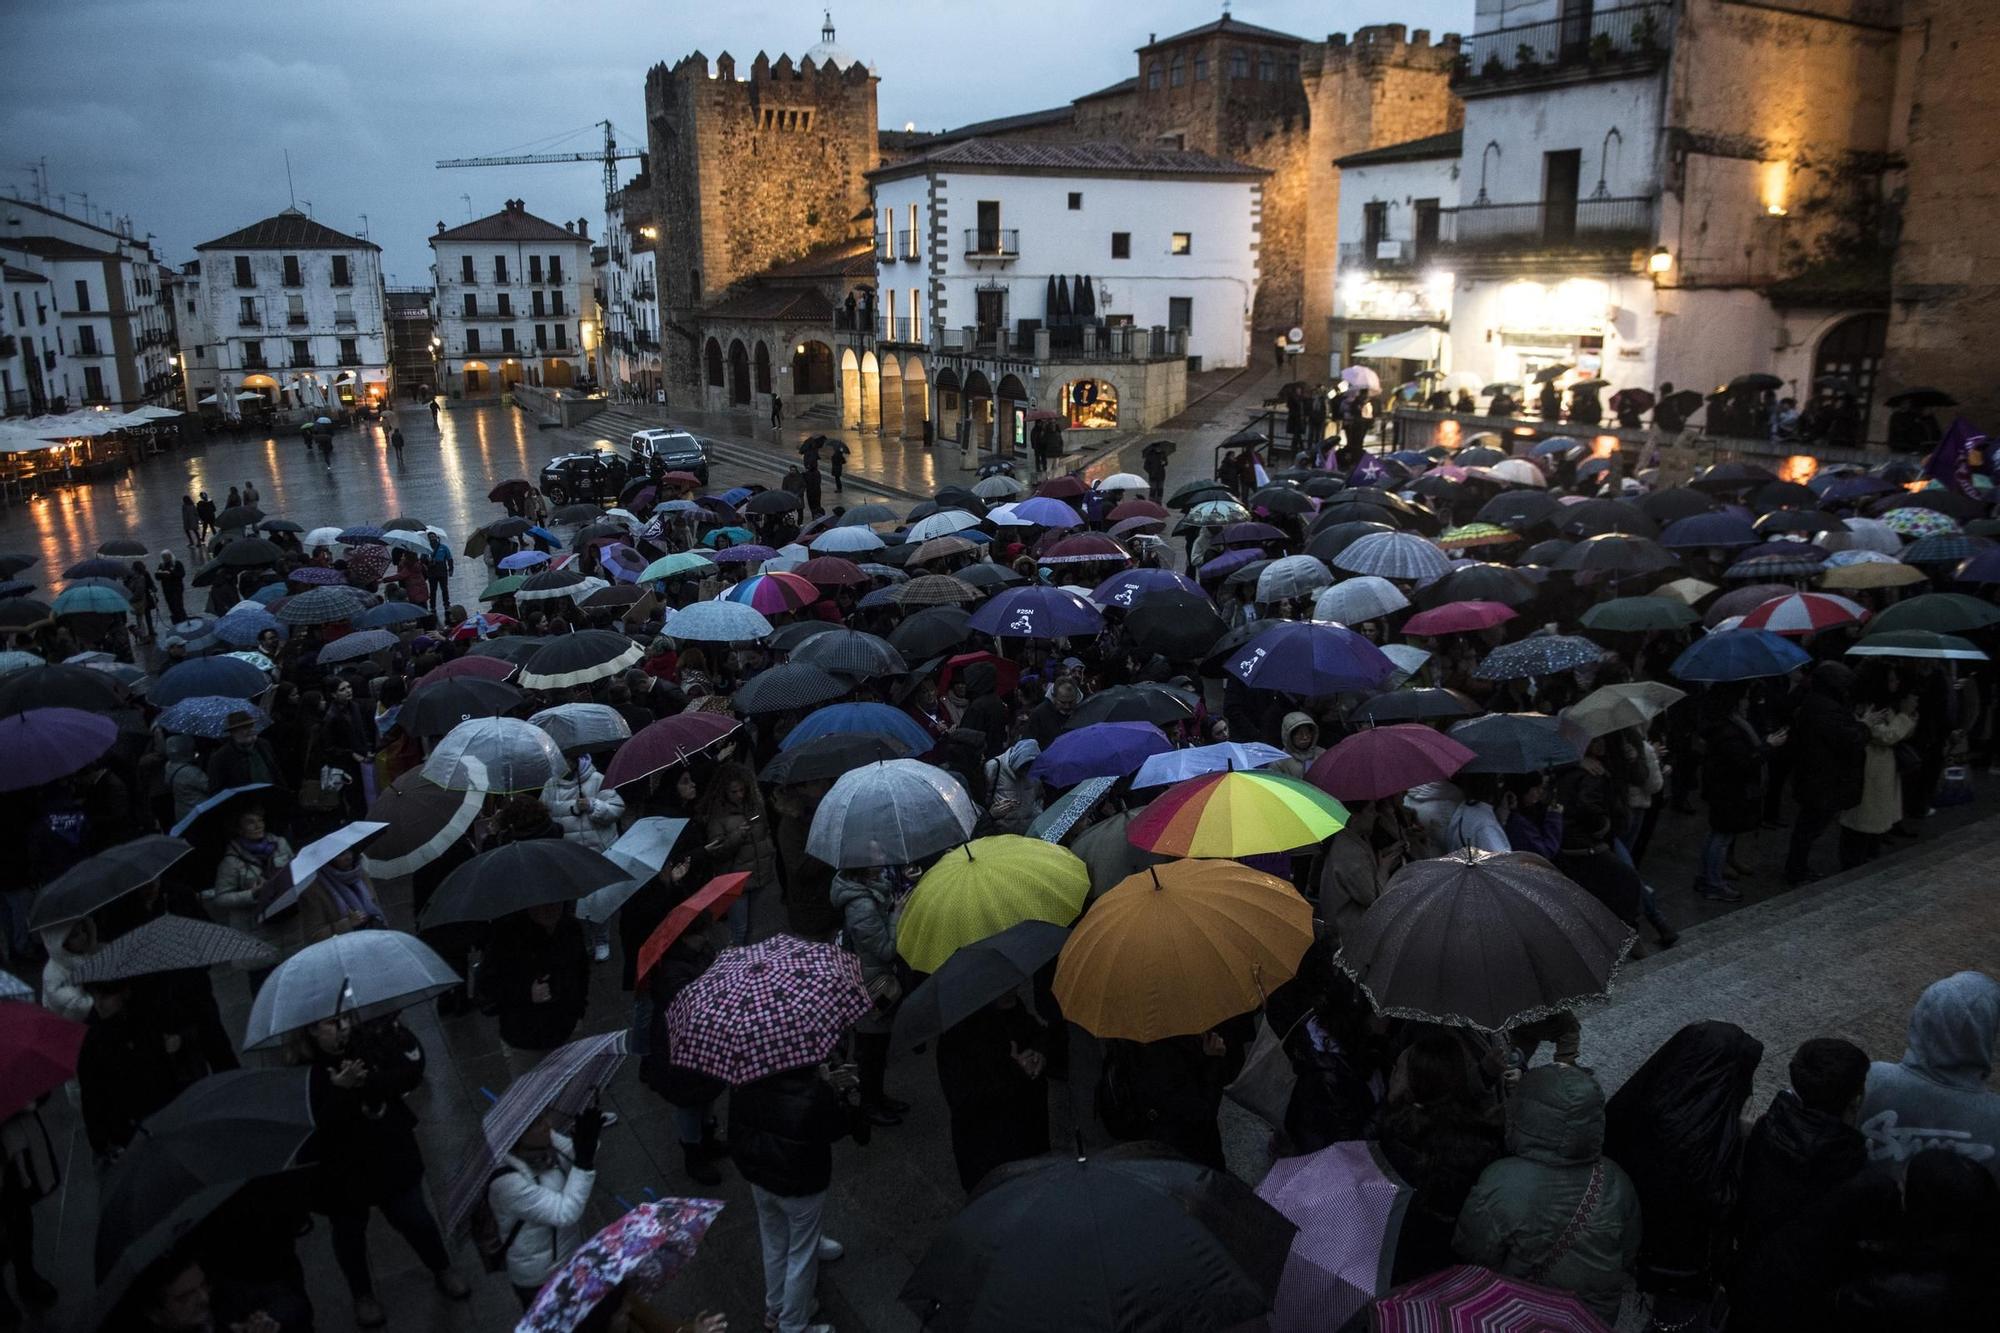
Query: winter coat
x=985 y=712
x=1298 y=758
x=1936 y=1096
x=1008 y=780
x=808 y=909
x=1795 y=1159
x=1475 y=824
x=739 y=842
x=1166 y=1091
x=1524 y=1202
x=233 y=766
x=782 y=1130
x=998 y=1113
x=868 y=923
x=1351 y=879
x=237 y=879
x=690 y=955
x=1440 y=1149
x=518 y=954
x=547 y=1208
x=1829 y=744
x=186 y=781
x=597 y=827
x=1881 y=805
x=60 y=994
x=124 y=1073
x=366 y=1137
x=1540 y=832
x=1733 y=766
x=1336 y=1097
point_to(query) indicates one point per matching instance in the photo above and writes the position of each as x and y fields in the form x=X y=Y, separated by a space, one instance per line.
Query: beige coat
x=1881 y=785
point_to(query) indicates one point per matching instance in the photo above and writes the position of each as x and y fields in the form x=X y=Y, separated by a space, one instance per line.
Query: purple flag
x=1960 y=455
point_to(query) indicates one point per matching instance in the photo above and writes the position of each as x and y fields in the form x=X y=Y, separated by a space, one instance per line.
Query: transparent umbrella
x=496 y=754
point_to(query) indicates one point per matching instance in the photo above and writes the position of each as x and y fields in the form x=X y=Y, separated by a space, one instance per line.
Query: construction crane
x=610 y=157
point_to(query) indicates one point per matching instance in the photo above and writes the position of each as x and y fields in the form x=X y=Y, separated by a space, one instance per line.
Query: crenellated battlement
x=1384 y=46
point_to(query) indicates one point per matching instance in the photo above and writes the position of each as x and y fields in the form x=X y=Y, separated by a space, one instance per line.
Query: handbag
x=317 y=793
x=1264 y=1087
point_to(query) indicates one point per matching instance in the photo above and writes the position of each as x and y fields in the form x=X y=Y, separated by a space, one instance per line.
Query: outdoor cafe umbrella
x=518 y=875
x=669 y=741
x=362 y=974
x=495 y=754
x=169 y=944
x=1513 y=743
x=436 y=708
x=43 y=744
x=1387 y=761
x=895 y=812
x=423 y=820
x=1179 y=947
x=975 y=975
x=1348 y=1203
x=1488 y=940
x=104 y=878
x=980 y=889
x=642 y=1249
x=1126 y=1239
x=783 y=1003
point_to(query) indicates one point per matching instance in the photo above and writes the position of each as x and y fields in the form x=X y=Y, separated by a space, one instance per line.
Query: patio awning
x=1424 y=344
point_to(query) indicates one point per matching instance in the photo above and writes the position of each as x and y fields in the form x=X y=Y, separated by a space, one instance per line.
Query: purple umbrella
x=1250 y=533
x=1228 y=562
x=1346 y=1202
x=1310 y=659
x=1103 y=750
x=316 y=576
x=1043 y=511
x=43 y=744
x=749 y=553
x=1036 y=613
x=1127 y=586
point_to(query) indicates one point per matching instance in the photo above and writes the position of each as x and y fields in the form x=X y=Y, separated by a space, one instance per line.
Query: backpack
x=484 y=1228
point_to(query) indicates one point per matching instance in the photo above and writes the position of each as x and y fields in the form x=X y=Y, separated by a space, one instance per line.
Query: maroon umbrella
x=1084 y=548
x=511 y=489
x=459 y=668
x=38 y=1054
x=1063 y=488
x=830 y=571
x=671 y=740
x=1387 y=761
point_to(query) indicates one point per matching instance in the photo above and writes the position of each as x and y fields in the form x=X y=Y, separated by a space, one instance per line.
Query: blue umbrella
x=868 y=719
x=269 y=593
x=1063 y=814
x=361 y=534
x=1047 y=512
x=1837 y=488
x=16 y=588
x=1513 y=743
x=524 y=560
x=1127 y=586
x=736 y=536
x=1102 y=750
x=1199 y=760
x=1698 y=530
x=228 y=676
x=390 y=614
x=89 y=601
x=220 y=799
x=736 y=495
x=545 y=535
x=1313 y=660
x=1738 y=654
x=1539 y=655
x=1037 y=613
x=239 y=629
x=359 y=644
x=1981 y=568
x=207 y=716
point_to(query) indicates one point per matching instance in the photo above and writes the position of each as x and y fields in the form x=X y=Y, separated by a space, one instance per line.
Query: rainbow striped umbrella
x=1236 y=814
x=773 y=594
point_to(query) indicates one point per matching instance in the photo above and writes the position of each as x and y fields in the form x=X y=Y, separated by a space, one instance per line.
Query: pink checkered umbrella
x=1804 y=613
x=776 y=1005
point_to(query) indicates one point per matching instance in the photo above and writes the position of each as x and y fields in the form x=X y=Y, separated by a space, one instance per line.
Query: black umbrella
x=1334 y=538
x=786 y=687
x=986 y=574
x=1250 y=437
x=1591 y=518
x=1187 y=497
x=170 y=944
x=13 y=562
x=518 y=876
x=1179 y=625
x=249 y=552
x=105 y=878
x=1281 y=500
x=1417 y=705
x=975 y=976
x=1120 y=1241
x=1732 y=476
x=1675 y=502
x=434 y=709
x=1546 y=553
x=424 y=820
x=1161 y=705
x=1519 y=509
x=580 y=513
x=1480 y=582
x=773 y=502
x=928 y=633
x=1784 y=495
x=788 y=637
x=98 y=567
x=1513 y=743
x=59 y=686
x=578 y=659
x=1550 y=374
x=1086 y=298
x=123 y=546
x=1060 y=311
x=1922 y=398
x=515 y=648
x=1949 y=503
x=1757 y=381
x=1616 y=553
x=855 y=653
x=825 y=758
x=872 y=512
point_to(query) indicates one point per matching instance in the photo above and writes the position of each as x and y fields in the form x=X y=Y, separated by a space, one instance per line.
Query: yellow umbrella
x=1178 y=948
x=980 y=889
x=1872 y=574
x=1688 y=590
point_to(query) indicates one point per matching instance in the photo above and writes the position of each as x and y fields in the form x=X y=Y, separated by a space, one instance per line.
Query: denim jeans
x=409 y=1213
x=789 y=1228
x=1714 y=859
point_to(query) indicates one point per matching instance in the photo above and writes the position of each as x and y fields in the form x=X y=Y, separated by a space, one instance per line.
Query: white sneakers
x=830 y=1249
x=602 y=952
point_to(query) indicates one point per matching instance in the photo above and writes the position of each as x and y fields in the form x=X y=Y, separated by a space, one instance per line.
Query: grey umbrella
x=170 y=944
x=788 y=686
x=641 y=851
x=583 y=726
x=320 y=606
x=851 y=652
x=105 y=878
x=895 y=812
x=365 y=974
x=975 y=976
x=1513 y=743
x=495 y=754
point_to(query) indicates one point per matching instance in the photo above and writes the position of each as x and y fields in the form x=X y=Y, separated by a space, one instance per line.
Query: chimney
x=440 y=230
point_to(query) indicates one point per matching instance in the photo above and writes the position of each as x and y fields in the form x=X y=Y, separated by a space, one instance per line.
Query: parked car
x=596 y=475
x=671 y=450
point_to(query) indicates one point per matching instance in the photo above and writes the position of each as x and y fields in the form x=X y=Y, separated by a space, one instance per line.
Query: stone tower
x=752 y=171
x=1383 y=86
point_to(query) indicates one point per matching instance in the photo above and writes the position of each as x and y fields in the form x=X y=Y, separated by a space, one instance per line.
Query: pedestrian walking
x=323 y=436
x=250 y=493
x=782 y=1129
x=811 y=470
x=1155 y=459
x=1278 y=351
x=396 y=441
x=538 y=1196
x=433 y=405
x=777 y=412
x=234 y=500
x=438 y=568
x=190 y=522
x=144 y=598
x=836 y=462
x=204 y=510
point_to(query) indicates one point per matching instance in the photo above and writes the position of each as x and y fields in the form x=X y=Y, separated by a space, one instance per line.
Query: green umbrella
x=680 y=562
x=502 y=587
x=1918 y=643
x=1938 y=612
x=1634 y=615
x=85 y=601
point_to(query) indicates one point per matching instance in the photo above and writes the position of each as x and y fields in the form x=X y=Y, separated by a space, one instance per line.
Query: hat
x=239 y=718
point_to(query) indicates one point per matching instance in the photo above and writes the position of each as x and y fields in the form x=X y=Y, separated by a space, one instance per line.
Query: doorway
x=1560 y=173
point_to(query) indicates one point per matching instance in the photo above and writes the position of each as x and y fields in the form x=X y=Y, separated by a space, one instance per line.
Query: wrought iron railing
x=1619 y=37
x=1545 y=222
x=992 y=242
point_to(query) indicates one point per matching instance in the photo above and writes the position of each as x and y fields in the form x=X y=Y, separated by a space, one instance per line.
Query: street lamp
x=1660 y=261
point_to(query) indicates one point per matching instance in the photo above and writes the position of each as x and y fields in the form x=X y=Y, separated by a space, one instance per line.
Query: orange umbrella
x=1178 y=948
x=708 y=902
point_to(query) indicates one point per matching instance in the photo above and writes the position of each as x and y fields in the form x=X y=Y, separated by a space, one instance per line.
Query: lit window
x=916 y=315
x=1183 y=244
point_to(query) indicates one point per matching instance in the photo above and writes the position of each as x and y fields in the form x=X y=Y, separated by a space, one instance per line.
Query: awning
x=1422 y=344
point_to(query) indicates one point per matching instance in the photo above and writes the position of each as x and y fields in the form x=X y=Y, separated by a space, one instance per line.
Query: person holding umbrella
x=867 y=899
x=740 y=839
x=540 y=971
x=690 y=1096
x=253 y=858
x=538 y=1196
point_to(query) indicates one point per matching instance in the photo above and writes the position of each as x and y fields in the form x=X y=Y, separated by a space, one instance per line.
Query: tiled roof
x=773 y=303
x=1118 y=89
x=847 y=259
x=53 y=247
x=510 y=224
x=1088 y=158
x=289 y=230
x=1449 y=144
x=1227 y=25
x=13 y=274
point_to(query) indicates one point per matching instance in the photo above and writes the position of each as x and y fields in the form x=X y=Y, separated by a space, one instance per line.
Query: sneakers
x=602 y=952
x=830 y=1249
x=771 y=1319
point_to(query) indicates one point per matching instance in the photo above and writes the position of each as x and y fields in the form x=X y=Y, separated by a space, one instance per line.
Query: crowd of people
x=751 y=719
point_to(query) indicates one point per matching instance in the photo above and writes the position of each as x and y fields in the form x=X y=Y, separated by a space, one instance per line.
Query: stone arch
x=475 y=373
x=892 y=398
x=1852 y=347
x=712 y=364
x=871 y=392
x=760 y=368
x=812 y=368
x=850 y=390
x=977 y=400
x=916 y=399
x=1010 y=406
x=739 y=373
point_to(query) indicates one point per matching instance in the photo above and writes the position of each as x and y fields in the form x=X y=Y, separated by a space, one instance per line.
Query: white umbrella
x=641 y=850
x=1409 y=660
x=848 y=539
x=1160 y=770
x=1865 y=534
x=891 y=812
x=998 y=487
x=1124 y=481
x=1519 y=471
x=496 y=754
x=1424 y=344
x=206 y=400
x=316 y=856
x=1002 y=515
x=718 y=622
x=1362 y=377
x=321 y=537
x=1354 y=600
x=363 y=974
x=941 y=524
x=414 y=543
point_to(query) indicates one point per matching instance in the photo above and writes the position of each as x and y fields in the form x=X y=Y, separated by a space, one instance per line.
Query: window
x=1201 y=67
x=541 y=337
x=1267 y=67
x=1153 y=77
x=1427 y=228
x=506 y=305
x=1182 y=244
x=472 y=341
x=471 y=306
x=1121 y=245
x=17 y=307
x=507 y=340
x=889 y=316
x=1374 y=227
x=246 y=311
x=1075 y=200
x=93 y=384
x=1239 y=63
x=341 y=277
x=295 y=309
x=1177 y=70
x=562 y=336
x=86 y=340
x=916 y=315
x=350 y=352
x=465 y=270
x=301 y=352
x=499 y=268
x=556 y=303
x=82 y=296
x=343 y=308
x=293 y=278
x=555 y=268
x=534 y=268
x=537 y=302
x=911 y=246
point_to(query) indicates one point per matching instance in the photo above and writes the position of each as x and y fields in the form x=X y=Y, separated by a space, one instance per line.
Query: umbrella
x=1309 y=659
x=977 y=973
x=1940 y=612
x=435 y=708
x=104 y=878
x=1458 y=617
x=851 y=653
x=240 y=628
x=1538 y=655
x=577 y=727
x=495 y=754
x=1179 y=765
x=1061 y=816
x=1354 y=600
x=1147 y=701
x=170 y=944
x=1348 y=1204
x=1635 y=615
x=669 y=741
x=1292 y=576
x=91 y=601
x=38 y=1053
x=24 y=613
x=1738 y=654
x=788 y=687
x=518 y=875
x=578 y=659
x=1468 y=1297
x=894 y=812
x=1918 y=643
x=227 y=677
x=1100 y=750
x=316 y=856
x=845 y=539
x=1513 y=743
x=1615 y=553
x=352 y=647
x=707 y=903
x=928 y=633
x=1236 y=814
x=1870 y=574
x=1731 y=476
x=832 y=572
x=1179 y=625
x=771 y=594
x=716 y=622
x=1910 y=521
x=1610 y=708
x=827 y=757
x=505 y=587
x=1046 y=512
x=643 y=1248
x=1711 y=529
x=1802 y=613
x=860 y=719
x=524 y=560
x=1481 y=939
x=779 y=1004
x=114 y=570
x=1180 y=947
x=422 y=820
x=1480 y=582
x=1742 y=601
x=1394 y=555
x=1125 y=1240
x=1037 y=613
x=1946 y=548
x=1128 y=586
x=672 y=566
x=363 y=974
x=43 y=744
x=743 y=553
x=1387 y=761
x=984 y=887
x=321 y=606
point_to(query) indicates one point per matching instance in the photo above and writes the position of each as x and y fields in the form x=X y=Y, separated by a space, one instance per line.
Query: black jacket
x=685 y=959
x=782 y=1130
x=124 y=1074
x=1795 y=1159
x=1829 y=744
x=1732 y=774
x=998 y=1113
x=985 y=711
x=521 y=953
x=365 y=1138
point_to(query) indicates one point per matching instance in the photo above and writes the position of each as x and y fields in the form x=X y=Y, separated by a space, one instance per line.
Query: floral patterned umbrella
x=1913 y=521
x=646 y=1246
x=780 y=1004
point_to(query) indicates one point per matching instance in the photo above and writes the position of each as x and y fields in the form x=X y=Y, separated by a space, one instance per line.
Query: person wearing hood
x=1936 y=1096
x=985 y=712
x=1829 y=749
x=1476 y=823
x=587 y=812
x=185 y=780
x=67 y=945
x=1301 y=742
x=1014 y=795
x=866 y=900
x=1556 y=1211
x=1676 y=1128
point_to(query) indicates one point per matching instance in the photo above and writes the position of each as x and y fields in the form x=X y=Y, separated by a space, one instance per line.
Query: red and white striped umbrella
x=1804 y=613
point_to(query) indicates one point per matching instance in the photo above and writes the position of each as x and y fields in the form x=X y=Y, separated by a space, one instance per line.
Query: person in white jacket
x=538 y=1196
x=588 y=813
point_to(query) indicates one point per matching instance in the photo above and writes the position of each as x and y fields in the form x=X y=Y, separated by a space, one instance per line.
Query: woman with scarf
x=253 y=857
x=339 y=899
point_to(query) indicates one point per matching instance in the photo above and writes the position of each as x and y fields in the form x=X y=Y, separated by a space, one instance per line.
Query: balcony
x=910 y=243
x=1396 y=256
x=349 y=359
x=555 y=275
x=91 y=352
x=643 y=291
x=885 y=245
x=256 y=362
x=296 y=319
x=338 y=281
x=300 y=363
x=1609 y=43
x=1003 y=245
x=344 y=317
x=1029 y=341
x=1506 y=235
x=249 y=322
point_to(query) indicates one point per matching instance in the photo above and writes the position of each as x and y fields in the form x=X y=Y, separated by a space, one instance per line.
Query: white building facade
x=295 y=312
x=197 y=347
x=628 y=295
x=1082 y=279
x=513 y=299
x=1389 y=277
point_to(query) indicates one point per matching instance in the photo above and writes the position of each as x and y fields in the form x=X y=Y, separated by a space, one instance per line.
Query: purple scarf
x=352 y=892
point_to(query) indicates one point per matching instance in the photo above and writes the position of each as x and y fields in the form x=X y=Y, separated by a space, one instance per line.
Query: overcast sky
x=177 y=112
